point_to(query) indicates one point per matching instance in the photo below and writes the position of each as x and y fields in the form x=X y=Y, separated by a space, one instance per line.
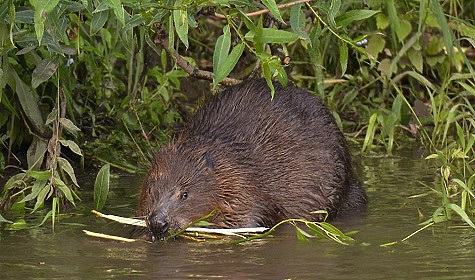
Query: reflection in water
x=441 y=252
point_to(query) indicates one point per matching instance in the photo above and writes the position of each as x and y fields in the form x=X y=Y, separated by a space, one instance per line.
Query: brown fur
x=256 y=160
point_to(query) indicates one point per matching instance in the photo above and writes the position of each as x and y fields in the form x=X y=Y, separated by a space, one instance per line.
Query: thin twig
x=264 y=11
x=162 y=41
x=110 y=237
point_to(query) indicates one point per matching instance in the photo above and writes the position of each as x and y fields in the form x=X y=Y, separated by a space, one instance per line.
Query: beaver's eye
x=184 y=195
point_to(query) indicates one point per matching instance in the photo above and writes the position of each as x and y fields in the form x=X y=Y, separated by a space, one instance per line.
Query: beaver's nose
x=158 y=225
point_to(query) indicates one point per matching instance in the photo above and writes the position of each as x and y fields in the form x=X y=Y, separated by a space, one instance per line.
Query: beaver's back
x=274 y=159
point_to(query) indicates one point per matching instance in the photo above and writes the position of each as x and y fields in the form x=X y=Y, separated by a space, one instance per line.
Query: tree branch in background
x=162 y=40
x=264 y=11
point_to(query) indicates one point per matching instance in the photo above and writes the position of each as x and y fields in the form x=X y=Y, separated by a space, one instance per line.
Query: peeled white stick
x=106 y=236
x=122 y=220
x=226 y=231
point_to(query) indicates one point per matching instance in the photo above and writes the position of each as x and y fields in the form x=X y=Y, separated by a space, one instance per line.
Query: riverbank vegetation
x=87 y=83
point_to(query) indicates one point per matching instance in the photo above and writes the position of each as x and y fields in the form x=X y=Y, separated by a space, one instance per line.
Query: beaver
x=255 y=160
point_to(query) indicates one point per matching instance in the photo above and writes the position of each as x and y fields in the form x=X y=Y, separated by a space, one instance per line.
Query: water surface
x=442 y=252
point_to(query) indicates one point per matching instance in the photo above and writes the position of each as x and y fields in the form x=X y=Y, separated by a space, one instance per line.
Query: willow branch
x=162 y=41
x=265 y=11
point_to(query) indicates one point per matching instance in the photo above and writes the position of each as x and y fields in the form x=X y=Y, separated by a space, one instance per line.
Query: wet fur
x=256 y=160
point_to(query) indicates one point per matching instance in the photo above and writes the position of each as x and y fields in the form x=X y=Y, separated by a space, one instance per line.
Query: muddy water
x=443 y=252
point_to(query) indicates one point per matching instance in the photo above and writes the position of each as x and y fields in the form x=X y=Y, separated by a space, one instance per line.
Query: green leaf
x=4 y=10
x=272 y=6
x=40 y=175
x=51 y=116
x=396 y=108
x=228 y=65
x=343 y=57
x=127 y=39
x=376 y=44
x=297 y=22
x=103 y=6
x=423 y=11
x=421 y=79
x=2 y=163
x=249 y=24
x=464 y=186
x=69 y=126
x=335 y=6
x=368 y=141
x=180 y=19
x=66 y=166
x=415 y=58
x=462 y=214
x=203 y=224
x=35 y=190
x=470 y=182
x=331 y=228
x=118 y=9
x=18 y=208
x=444 y=26
x=97 y=22
x=317 y=230
x=42 y=8
x=58 y=183
x=43 y=72
x=354 y=15
x=53 y=211
x=470 y=143
x=3 y=220
x=301 y=234
x=101 y=186
x=460 y=134
x=382 y=21
x=18 y=225
x=268 y=76
x=35 y=154
x=257 y=39
x=404 y=30
x=271 y=35
x=393 y=16
x=29 y=102
x=15 y=181
x=221 y=50
x=3 y=82
x=72 y=146
x=297 y=18
x=40 y=200
x=56 y=30
x=47 y=216
x=171 y=34
x=134 y=21
x=281 y=75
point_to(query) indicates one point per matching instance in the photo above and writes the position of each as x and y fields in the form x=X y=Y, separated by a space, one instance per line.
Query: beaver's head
x=178 y=189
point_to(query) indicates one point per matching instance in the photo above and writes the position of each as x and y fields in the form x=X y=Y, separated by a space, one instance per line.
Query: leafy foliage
x=101 y=186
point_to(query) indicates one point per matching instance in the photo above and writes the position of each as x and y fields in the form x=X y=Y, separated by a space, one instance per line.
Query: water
x=442 y=252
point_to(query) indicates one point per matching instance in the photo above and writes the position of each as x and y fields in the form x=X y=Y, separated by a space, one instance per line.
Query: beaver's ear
x=208 y=160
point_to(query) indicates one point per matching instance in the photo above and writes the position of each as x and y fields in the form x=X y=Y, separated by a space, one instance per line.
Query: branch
x=162 y=40
x=264 y=11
